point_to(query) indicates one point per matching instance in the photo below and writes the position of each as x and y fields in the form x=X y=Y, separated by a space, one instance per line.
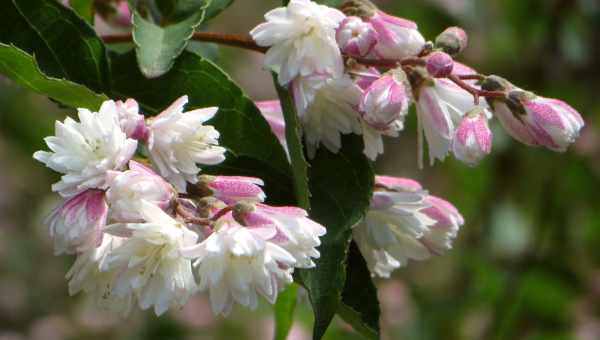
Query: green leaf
x=243 y=129
x=341 y=185
x=85 y=9
x=360 y=306
x=23 y=69
x=63 y=43
x=158 y=47
x=294 y=143
x=331 y=3
x=284 y=311
x=216 y=7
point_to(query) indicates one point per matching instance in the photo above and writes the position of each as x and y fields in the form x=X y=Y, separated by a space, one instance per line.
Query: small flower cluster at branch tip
x=153 y=231
x=404 y=223
x=358 y=70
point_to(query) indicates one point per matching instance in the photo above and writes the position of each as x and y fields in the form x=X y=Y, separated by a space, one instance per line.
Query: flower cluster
x=152 y=230
x=358 y=70
x=404 y=223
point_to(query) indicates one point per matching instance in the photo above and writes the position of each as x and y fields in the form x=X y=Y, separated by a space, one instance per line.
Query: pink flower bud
x=356 y=37
x=440 y=64
x=473 y=137
x=271 y=111
x=131 y=121
x=553 y=123
x=76 y=225
x=397 y=183
x=386 y=100
x=453 y=40
x=232 y=189
x=398 y=38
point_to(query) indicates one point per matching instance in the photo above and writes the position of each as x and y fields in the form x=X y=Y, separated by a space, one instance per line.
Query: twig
x=246 y=42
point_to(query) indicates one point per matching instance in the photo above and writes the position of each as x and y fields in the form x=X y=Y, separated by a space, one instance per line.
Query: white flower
x=76 y=225
x=127 y=189
x=149 y=260
x=85 y=275
x=302 y=40
x=236 y=263
x=440 y=107
x=178 y=141
x=389 y=235
x=84 y=151
x=404 y=223
x=330 y=113
x=296 y=233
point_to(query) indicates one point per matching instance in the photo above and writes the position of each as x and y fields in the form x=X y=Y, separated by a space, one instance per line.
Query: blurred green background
x=526 y=265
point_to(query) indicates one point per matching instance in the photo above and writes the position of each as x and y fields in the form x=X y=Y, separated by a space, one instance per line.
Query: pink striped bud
x=398 y=38
x=386 y=100
x=356 y=37
x=76 y=225
x=452 y=41
x=508 y=111
x=440 y=64
x=553 y=123
x=232 y=189
x=473 y=137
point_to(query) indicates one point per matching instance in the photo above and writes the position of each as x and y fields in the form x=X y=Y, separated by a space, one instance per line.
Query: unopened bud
x=386 y=100
x=440 y=64
x=453 y=40
x=473 y=138
x=356 y=37
x=231 y=189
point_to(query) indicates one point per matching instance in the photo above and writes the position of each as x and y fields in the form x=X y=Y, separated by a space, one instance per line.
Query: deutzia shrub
x=181 y=184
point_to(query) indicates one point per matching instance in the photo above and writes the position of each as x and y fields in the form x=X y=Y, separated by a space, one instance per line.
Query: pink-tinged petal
x=398 y=183
x=443 y=212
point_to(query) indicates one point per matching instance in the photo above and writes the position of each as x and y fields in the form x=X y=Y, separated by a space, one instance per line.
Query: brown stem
x=190 y=218
x=474 y=91
x=233 y=40
x=222 y=213
x=246 y=42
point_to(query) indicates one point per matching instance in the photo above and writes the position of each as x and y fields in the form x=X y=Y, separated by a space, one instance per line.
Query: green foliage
x=294 y=142
x=284 y=311
x=85 y=9
x=63 y=43
x=339 y=200
x=157 y=46
x=215 y=7
x=23 y=69
x=360 y=306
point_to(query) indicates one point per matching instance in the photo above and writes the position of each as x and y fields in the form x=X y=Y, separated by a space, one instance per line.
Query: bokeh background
x=526 y=265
